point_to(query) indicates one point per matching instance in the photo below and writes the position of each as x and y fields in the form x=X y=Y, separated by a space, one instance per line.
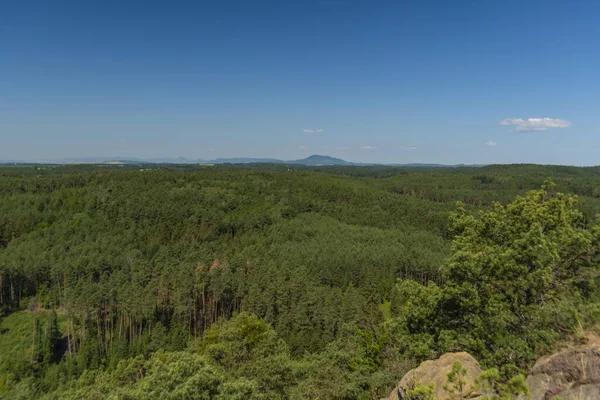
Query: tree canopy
x=270 y=281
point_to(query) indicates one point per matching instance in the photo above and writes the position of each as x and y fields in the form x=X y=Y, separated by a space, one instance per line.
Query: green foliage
x=491 y=387
x=421 y=392
x=456 y=383
x=488 y=384
x=351 y=367
x=517 y=280
x=28 y=344
x=248 y=348
x=519 y=272
x=272 y=283
x=177 y=375
x=515 y=386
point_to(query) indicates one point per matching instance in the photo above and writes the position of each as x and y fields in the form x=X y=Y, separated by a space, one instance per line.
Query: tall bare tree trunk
x=33 y=339
x=12 y=292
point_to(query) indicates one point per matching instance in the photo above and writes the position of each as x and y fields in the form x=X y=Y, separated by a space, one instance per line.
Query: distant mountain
x=7 y=161
x=128 y=160
x=311 y=161
x=178 y=160
x=316 y=160
x=97 y=160
x=246 y=161
x=420 y=165
x=435 y=165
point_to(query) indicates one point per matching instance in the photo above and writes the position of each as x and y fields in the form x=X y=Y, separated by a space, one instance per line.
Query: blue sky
x=399 y=81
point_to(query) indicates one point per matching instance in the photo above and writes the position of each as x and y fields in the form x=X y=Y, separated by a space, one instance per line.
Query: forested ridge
x=282 y=281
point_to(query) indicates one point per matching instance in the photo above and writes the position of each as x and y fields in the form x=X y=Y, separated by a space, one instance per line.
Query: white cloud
x=491 y=144
x=408 y=148
x=536 y=124
x=212 y=150
x=368 y=147
x=302 y=147
x=343 y=148
x=311 y=131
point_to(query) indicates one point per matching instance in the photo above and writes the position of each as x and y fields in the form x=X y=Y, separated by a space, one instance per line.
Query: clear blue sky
x=398 y=81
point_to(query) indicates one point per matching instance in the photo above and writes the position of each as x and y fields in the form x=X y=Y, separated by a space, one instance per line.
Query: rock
x=572 y=374
x=436 y=372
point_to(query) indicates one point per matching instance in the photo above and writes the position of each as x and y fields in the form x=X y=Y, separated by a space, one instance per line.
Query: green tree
x=247 y=347
x=456 y=383
x=518 y=275
x=420 y=392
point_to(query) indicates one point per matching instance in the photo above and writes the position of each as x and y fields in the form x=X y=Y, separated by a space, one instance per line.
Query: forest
x=285 y=282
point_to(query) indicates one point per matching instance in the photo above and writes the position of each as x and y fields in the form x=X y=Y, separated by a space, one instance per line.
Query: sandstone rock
x=436 y=372
x=572 y=374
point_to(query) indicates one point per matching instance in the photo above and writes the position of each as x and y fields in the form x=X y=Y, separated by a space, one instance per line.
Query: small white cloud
x=311 y=131
x=408 y=148
x=536 y=124
x=343 y=148
x=368 y=147
x=302 y=147
x=212 y=150
x=491 y=144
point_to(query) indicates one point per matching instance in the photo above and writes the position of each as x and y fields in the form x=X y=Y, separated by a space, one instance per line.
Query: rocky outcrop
x=436 y=372
x=571 y=374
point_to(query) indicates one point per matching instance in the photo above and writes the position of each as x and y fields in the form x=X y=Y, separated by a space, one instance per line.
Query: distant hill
x=419 y=165
x=128 y=160
x=311 y=161
x=316 y=160
x=435 y=165
x=246 y=161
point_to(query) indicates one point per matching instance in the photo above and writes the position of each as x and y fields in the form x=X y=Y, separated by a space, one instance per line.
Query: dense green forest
x=276 y=281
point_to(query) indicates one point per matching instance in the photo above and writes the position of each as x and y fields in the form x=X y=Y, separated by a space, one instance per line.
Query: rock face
x=436 y=372
x=572 y=374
